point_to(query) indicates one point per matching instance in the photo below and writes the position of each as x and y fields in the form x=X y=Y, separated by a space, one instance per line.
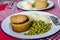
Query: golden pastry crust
x=18 y=26
x=41 y=0
x=18 y=18
x=41 y=4
x=21 y=27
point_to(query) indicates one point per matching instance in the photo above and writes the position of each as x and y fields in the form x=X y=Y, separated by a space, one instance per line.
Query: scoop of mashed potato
x=26 y=5
x=31 y=1
x=44 y=18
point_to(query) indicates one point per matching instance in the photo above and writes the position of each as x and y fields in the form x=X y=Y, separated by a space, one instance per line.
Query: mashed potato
x=31 y=1
x=44 y=18
x=26 y=5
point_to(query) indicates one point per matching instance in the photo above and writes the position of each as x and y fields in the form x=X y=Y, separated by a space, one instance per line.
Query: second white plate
x=51 y=4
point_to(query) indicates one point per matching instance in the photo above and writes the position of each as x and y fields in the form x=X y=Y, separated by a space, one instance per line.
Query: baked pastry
x=20 y=23
x=18 y=19
x=40 y=4
x=40 y=0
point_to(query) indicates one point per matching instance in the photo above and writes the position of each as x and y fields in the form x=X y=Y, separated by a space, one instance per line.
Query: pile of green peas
x=38 y=27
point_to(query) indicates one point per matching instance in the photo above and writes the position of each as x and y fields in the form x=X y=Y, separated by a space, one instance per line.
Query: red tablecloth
x=6 y=12
x=2 y=7
x=3 y=36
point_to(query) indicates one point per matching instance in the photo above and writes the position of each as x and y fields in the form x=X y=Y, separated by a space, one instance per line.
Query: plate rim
x=26 y=38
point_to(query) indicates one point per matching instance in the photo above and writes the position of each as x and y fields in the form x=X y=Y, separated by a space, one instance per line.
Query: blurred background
x=4 y=1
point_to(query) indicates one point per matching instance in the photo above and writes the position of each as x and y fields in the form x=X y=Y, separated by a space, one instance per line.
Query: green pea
x=38 y=27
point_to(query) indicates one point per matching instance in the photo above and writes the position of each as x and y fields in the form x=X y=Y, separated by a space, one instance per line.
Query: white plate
x=6 y=27
x=51 y=4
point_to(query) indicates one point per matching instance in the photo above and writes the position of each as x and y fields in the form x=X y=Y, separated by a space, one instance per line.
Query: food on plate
x=34 y=4
x=38 y=27
x=26 y=5
x=33 y=24
x=40 y=4
x=40 y=24
x=20 y=23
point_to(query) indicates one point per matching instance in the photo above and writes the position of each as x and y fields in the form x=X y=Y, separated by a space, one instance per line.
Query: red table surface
x=2 y=6
x=2 y=35
x=55 y=10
